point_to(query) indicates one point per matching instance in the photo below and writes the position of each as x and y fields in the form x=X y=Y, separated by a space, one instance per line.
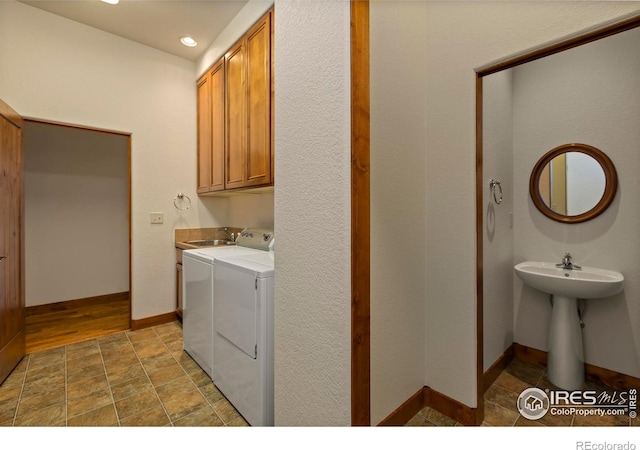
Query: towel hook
x=182 y=202
x=492 y=186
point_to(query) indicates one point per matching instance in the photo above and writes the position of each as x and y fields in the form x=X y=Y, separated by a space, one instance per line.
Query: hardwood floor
x=59 y=324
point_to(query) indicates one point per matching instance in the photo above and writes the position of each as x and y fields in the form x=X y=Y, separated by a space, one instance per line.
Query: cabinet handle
x=2 y=257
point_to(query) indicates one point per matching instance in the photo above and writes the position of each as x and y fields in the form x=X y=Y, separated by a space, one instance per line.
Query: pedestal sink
x=565 y=363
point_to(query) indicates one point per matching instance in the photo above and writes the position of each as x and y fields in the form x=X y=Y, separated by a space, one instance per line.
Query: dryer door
x=235 y=307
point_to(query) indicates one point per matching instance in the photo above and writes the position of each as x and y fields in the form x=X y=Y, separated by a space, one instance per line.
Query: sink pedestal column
x=565 y=363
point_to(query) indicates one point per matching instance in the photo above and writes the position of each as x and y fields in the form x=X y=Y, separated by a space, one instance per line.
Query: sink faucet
x=230 y=234
x=567 y=263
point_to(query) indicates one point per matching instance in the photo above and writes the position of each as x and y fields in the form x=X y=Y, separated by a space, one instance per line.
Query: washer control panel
x=260 y=239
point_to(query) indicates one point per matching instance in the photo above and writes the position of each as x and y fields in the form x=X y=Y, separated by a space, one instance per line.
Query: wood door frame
x=566 y=44
x=14 y=350
x=360 y=216
x=129 y=175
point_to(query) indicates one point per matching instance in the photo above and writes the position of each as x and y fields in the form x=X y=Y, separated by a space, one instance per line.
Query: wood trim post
x=360 y=221
x=479 y=257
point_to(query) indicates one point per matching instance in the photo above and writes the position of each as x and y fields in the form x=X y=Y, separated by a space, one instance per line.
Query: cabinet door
x=179 y=289
x=235 y=155
x=258 y=162
x=216 y=167
x=204 y=133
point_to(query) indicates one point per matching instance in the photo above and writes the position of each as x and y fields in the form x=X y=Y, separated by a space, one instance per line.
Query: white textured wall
x=312 y=210
x=497 y=231
x=586 y=182
x=398 y=141
x=590 y=95
x=76 y=204
x=251 y=210
x=462 y=36
x=57 y=69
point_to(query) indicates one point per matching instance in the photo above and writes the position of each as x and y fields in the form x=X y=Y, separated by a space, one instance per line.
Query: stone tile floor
x=144 y=378
x=131 y=378
x=501 y=397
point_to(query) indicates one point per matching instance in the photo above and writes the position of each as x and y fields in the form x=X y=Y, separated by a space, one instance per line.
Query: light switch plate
x=157 y=217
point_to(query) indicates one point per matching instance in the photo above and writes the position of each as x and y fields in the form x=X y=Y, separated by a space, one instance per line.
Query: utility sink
x=587 y=282
x=210 y=243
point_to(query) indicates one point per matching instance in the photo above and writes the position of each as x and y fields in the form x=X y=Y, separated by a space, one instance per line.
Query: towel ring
x=182 y=202
x=492 y=186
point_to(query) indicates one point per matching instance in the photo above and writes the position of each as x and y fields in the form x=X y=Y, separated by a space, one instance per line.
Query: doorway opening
x=499 y=359
x=77 y=190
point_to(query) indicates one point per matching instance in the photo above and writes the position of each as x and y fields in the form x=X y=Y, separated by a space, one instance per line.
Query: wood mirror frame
x=611 y=183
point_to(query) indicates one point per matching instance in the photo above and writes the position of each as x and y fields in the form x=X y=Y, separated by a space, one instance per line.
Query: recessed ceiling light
x=188 y=41
x=111 y=2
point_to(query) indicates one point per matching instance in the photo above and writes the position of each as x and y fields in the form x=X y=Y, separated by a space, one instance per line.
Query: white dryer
x=198 y=267
x=243 y=334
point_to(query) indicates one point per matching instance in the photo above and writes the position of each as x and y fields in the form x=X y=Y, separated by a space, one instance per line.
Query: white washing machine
x=243 y=334
x=198 y=267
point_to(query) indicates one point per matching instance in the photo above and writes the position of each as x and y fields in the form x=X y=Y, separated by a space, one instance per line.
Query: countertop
x=185 y=246
x=184 y=235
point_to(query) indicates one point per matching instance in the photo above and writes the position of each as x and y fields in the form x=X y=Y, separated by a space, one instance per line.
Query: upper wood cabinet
x=204 y=132
x=211 y=129
x=235 y=115
x=259 y=148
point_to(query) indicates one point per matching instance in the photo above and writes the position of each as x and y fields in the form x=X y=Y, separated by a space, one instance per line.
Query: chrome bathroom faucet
x=567 y=263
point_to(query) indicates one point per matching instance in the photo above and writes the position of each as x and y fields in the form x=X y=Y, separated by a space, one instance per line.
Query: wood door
x=258 y=162
x=12 y=307
x=235 y=154
x=204 y=133
x=217 y=127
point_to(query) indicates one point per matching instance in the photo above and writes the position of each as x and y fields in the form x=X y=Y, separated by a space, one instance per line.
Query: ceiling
x=157 y=23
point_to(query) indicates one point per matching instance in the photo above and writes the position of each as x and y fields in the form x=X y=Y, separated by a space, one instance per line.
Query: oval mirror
x=573 y=183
